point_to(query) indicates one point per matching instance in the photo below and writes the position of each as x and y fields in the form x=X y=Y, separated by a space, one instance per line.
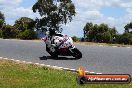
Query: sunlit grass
x=20 y=75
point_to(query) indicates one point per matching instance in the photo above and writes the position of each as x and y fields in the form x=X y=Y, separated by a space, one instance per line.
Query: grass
x=20 y=75
x=105 y=44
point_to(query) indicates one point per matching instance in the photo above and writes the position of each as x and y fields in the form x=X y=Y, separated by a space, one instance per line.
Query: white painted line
x=12 y=59
x=66 y=68
x=60 y=67
x=128 y=47
x=114 y=46
x=36 y=63
x=73 y=69
x=87 y=71
x=48 y=65
x=6 y=39
x=29 y=62
x=98 y=73
x=24 y=61
x=92 y=72
x=5 y=58
x=54 y=66
x=17 y=60
x=101 y=45
x=42 y=64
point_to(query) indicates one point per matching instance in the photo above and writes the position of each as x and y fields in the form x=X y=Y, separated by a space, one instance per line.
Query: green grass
x=19 y=75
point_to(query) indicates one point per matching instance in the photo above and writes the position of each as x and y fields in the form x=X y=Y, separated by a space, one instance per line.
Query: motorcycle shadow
x=59 y=58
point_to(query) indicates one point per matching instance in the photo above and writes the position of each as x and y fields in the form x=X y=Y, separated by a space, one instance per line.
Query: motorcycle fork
x=71 y=48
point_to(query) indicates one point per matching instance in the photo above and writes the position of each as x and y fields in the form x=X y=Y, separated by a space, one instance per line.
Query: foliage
x=2 y=19
x=119 y=39
x=128 y=28
x=87 y=29
x=103 y=33
x=15 y=33
x=53 y=13
x=24 y=23
x=27 y=35
x=99 y=33
x=8 y=31
x=103 y=37
x=127 y=38
x=75 y=38
x=0 y=34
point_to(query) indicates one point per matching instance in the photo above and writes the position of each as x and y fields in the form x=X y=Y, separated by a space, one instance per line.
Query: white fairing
x=58 y=40
x=62 y=42
x=68 y=42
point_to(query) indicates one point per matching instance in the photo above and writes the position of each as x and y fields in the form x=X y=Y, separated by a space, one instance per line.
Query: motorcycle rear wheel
x=53 y=54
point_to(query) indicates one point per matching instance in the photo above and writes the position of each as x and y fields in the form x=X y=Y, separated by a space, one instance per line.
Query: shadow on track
x=59 y=58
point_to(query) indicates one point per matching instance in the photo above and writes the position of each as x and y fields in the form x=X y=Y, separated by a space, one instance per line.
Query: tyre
x=53 y=54
x=76 y=53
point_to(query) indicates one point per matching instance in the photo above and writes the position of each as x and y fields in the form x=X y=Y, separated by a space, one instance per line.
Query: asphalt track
x=99 y=59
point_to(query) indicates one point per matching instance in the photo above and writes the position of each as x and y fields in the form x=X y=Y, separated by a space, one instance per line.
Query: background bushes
x=9 y=33
x=0 y=33
x=75 y=39
x=27 y=35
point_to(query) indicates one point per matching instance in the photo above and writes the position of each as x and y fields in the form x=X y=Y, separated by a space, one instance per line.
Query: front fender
x=71 y=48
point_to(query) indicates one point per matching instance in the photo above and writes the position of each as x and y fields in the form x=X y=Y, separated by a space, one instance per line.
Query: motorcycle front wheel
x=76 y=53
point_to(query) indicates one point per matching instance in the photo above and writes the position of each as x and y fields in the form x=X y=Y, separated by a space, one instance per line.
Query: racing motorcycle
x=61 y=45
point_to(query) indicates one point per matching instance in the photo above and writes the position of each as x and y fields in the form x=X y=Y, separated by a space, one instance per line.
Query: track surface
x=97 y=59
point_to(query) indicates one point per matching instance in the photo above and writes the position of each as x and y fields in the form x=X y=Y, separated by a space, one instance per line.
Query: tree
x=24 y=23
x=103 y=37
x=113 y=33
x=54 y=13
x=107 y=37
x=127 y=38
x=0 y=33
x=94 y=33
x=2 y=20
x=87 y=29
x=128 y=28
x=103 y=28
x=27 y=35
x=75 y=38
x=118 y=38
x=99 y=33
x=8 y=31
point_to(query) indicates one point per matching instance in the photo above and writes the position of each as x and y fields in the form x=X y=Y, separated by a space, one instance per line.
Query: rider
x=54 y=35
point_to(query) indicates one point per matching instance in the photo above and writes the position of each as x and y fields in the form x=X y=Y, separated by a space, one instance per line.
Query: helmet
x=52 y=32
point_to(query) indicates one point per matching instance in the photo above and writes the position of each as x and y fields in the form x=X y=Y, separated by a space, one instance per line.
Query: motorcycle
x=61 y=45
